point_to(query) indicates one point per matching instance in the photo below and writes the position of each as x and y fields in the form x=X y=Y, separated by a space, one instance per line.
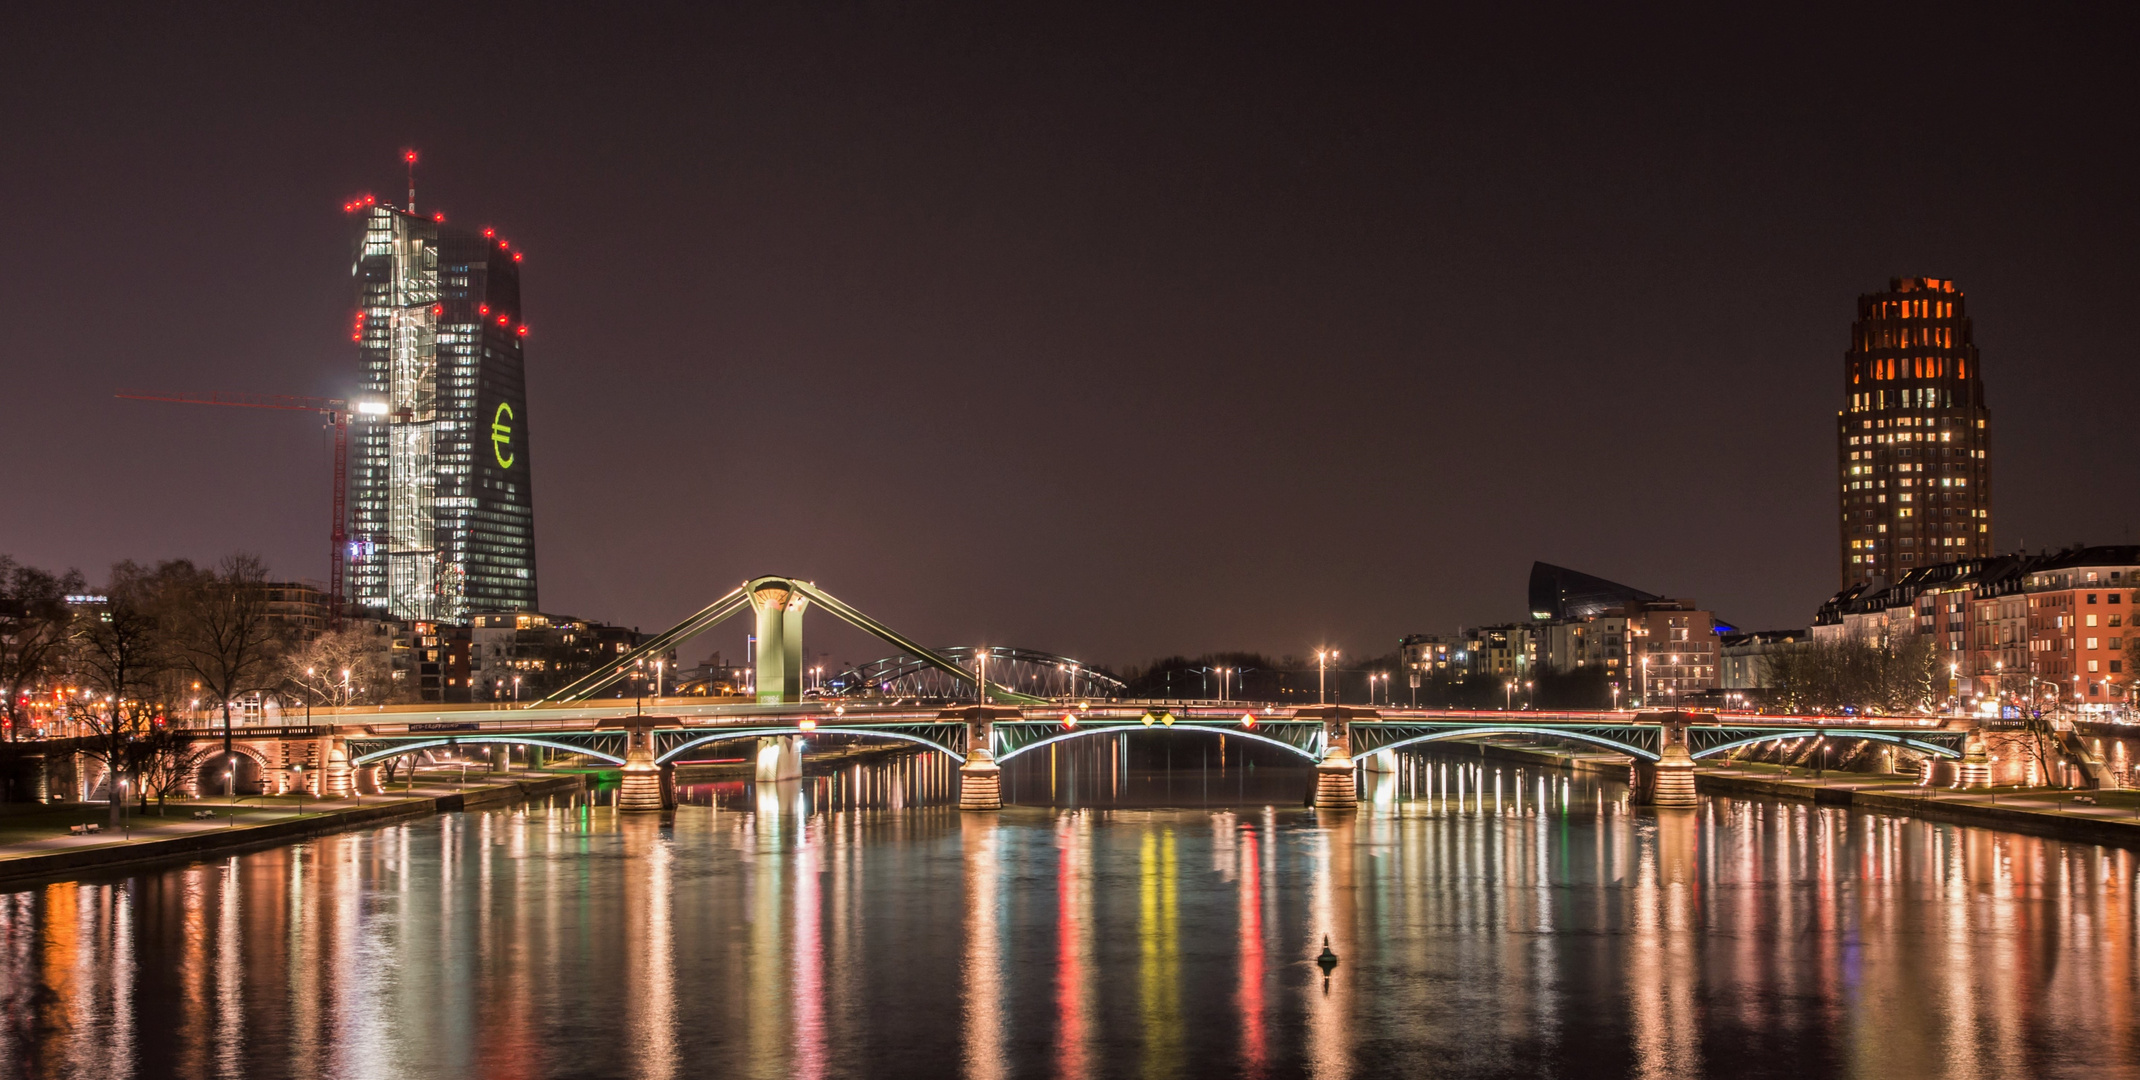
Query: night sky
x=1113 y=333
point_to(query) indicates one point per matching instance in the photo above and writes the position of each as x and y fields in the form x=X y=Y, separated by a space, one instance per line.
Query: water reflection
x=858 y=924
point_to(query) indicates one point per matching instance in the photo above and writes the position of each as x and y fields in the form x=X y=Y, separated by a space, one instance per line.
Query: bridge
x=345 y=751
x=996 y=724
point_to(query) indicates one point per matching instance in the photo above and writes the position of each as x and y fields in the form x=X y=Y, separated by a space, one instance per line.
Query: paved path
x=245 y=812
x=2120 y=807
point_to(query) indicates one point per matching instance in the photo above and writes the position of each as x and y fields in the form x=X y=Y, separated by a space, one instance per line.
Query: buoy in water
x=1329 y=959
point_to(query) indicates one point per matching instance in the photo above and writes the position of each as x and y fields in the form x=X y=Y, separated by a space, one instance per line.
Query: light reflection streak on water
x=807 y=963
x=1254 y=1041
x=1159 y=977
x=1074 y=959
x=230 y=1011
x=985 y=1001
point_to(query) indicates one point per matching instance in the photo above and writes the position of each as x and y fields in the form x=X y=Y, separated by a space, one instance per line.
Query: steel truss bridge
x=680 y=730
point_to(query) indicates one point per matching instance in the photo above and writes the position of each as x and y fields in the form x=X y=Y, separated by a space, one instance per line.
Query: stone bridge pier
x=779 y=758
x=1668 y=781
x=980 y=778
x=1335 y=787
x=641 y=789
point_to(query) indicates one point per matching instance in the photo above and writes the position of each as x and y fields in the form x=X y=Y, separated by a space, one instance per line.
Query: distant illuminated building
x=1913 y=440
x=442 y=513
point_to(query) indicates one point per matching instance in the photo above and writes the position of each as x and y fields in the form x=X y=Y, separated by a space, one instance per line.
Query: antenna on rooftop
x=410 y=157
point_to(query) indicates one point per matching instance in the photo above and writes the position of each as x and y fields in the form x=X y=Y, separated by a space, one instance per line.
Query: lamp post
x=1508 y=695
x=1322 y=665
x=308 y=697
x=1642 y=689
x=516 y=689
x=299 y=769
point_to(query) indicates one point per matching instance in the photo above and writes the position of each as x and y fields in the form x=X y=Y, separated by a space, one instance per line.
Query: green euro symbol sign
x=501 y=435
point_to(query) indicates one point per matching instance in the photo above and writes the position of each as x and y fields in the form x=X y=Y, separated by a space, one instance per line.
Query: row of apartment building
x=2017 y=625
x=1649 y=649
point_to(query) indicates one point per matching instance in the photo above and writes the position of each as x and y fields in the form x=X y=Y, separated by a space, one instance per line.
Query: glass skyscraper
x=1913 y=440
x=443 y=514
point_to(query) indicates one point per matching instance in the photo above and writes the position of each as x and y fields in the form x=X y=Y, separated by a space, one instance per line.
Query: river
x=1120 y=921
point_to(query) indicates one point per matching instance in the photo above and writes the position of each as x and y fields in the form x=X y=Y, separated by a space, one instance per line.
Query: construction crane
x=336 y=411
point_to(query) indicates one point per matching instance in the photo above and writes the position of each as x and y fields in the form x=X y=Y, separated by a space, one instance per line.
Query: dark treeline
x=113 y=669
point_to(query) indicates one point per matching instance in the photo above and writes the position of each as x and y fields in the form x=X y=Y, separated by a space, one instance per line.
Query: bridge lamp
x=808 y=724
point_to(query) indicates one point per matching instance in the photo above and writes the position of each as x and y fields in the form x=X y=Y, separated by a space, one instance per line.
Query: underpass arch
x=473 y=740
x=771 y=732
x=1550 y=733
x=1113 y=729
x=1904 y=741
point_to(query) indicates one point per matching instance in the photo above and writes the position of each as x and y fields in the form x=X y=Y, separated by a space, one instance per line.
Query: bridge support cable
x=900 y=641
x=595 y=681
x=778 y=602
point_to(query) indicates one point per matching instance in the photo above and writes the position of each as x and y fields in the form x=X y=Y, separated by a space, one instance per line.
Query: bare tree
x=340 y=667
x=33 y=635
x=119 y=659
x=219 y=630
x=166 y=760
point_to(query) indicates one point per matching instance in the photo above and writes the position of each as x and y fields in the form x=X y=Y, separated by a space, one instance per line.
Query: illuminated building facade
x=1913 y=441
x=442 y=510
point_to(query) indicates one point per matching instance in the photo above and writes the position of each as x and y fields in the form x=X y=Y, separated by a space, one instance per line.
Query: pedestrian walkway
x=37 y=830
x=2108 y=807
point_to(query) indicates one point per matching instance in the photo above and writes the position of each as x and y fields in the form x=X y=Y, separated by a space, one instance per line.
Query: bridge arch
x=1517 y=729
x=734 y=734
x=511 y=740
x=248 y=764
x=1113 y=729
x=1918 y=745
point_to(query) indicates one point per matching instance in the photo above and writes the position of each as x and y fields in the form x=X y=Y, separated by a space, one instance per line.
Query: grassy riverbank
x=38 y=841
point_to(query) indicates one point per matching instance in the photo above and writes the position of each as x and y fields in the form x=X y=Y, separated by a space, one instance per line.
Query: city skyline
x=830 y=334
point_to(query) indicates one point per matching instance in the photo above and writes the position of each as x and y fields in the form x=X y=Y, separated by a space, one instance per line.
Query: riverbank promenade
x=38 y=840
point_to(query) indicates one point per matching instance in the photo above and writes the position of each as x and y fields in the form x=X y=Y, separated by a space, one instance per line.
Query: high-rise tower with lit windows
x=1913 y=441
x=442 y=510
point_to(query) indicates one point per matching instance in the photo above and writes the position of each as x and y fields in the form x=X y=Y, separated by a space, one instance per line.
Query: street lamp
x=1508 y=695
x=1322 y=664
x=299 y=769
x=1642 y=689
